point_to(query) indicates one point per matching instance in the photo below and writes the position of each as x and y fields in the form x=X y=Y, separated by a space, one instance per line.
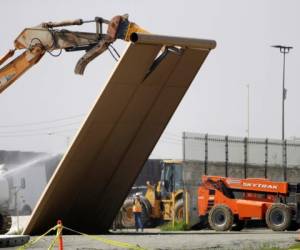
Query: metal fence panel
x=239 y=150
x=293 y=154
x=256 y=151
x=235 y=150
x=216 y=146
x=275 y=152
x=193 y=146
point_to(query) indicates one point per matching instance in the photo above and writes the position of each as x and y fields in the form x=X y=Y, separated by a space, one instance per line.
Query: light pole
x=284 y=50
x=248 y=110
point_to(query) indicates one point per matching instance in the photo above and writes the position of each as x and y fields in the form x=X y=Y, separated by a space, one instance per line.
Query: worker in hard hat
x=137 y=211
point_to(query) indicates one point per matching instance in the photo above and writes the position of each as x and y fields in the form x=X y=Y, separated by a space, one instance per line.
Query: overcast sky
x=44 y=108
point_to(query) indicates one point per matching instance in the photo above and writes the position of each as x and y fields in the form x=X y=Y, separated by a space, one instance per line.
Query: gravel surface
x=204 y=239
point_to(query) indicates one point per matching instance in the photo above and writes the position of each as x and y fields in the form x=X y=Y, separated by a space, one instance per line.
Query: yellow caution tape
x=58 y=233
x=102 y=239
x=108 y=241
x=32 y=242
x=52 y=243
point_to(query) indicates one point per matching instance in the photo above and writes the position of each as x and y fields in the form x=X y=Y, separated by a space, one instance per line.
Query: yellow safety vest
x=137 y=207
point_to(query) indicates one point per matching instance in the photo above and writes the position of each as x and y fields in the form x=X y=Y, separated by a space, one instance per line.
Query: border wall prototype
x=93 y=178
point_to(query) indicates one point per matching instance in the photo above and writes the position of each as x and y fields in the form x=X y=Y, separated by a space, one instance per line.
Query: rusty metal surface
x=56 y=39
x=186 y=42
x=95 y=175
x=48 y=25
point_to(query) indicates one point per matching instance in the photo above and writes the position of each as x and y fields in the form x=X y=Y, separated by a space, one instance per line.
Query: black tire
x=13 y=240
x=278 y=217
x=202 y=224
x=179 y=210
x=5 y=222
x=238 y=225
x=127 y=216
x=294 y=226
x=220 y=218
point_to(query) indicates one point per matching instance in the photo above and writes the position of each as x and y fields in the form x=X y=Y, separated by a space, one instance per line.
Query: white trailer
x=5 y=218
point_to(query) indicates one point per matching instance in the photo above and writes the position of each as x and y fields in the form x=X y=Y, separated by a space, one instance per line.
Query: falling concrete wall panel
x=120 y=141
x=120 y=132
x=167 y=100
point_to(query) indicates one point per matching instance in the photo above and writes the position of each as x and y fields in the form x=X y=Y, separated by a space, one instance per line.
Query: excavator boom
x=44 y=38
x=51 y=39
x=12 y=71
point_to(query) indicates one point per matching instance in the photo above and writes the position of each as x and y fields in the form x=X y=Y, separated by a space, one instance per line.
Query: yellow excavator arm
x=12 y=71
x=44 y=38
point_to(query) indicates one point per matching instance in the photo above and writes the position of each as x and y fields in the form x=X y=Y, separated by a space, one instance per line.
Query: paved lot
x=191 y=240
x=205 y=239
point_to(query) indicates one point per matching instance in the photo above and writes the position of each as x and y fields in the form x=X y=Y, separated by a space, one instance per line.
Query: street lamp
x=248 y=110
x=284 y=50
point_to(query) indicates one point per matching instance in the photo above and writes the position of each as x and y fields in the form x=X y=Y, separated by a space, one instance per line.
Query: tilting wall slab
x=95 y=175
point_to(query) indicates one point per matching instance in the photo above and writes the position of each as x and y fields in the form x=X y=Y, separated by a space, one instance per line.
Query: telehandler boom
x=44 y=38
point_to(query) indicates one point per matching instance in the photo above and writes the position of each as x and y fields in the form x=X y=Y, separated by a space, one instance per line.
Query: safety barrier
x=58 y=238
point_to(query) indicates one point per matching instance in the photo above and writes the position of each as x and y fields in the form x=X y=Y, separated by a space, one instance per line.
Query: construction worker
x=137 y=211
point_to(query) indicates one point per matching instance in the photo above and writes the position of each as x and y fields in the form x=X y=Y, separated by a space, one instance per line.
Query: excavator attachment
x=45 y=38
x=118 y=28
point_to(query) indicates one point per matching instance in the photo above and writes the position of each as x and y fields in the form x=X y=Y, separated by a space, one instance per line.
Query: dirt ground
x=192 y=240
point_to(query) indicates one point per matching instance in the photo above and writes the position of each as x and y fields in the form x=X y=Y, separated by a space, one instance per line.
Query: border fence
x=243 y=151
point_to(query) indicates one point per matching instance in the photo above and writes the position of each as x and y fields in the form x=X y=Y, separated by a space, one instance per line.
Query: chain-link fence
x=242 y=151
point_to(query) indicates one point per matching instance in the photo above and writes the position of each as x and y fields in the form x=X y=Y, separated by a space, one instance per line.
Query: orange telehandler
x=44 y=38
x=227 y=203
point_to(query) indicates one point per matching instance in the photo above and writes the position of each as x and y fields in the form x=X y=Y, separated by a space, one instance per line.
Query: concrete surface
x=192 y=240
